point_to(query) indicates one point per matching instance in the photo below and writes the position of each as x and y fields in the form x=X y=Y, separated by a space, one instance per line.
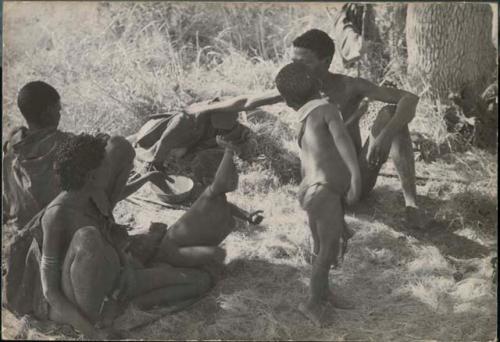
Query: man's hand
x=354 y=192
x=255 y=217
x=378 y=151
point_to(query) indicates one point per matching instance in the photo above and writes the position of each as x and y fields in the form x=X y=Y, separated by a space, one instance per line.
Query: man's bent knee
x=384 y=115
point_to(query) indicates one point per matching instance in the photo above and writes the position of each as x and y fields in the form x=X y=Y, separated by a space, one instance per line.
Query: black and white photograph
x=259 y=171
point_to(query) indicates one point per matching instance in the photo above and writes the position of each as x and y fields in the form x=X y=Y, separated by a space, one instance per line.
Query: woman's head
x=76 y=160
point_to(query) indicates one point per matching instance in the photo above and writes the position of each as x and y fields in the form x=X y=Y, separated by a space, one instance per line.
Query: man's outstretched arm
x=265 y=99
x=237 y=103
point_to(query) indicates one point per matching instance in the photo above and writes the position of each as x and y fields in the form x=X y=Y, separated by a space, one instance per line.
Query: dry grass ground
x=405 y=285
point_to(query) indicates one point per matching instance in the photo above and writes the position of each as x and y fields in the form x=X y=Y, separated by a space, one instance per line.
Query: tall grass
x=115 y=63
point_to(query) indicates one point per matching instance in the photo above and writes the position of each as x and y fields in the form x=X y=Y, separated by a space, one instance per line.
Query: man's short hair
x=34 y=98
x=76 y=158
x=317 y=41
x=296 y=84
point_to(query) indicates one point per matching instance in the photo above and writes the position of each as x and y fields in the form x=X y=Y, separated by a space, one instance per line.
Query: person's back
x=29 y=183
x=320 y=157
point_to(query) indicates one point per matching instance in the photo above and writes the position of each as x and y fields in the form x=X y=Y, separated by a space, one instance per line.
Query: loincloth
x=314 y=199
x=312 y=196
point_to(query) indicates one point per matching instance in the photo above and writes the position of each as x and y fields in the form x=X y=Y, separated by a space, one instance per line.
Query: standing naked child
x=330 y=171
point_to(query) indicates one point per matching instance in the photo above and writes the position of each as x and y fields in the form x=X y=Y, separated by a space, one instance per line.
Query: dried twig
x=439 y=179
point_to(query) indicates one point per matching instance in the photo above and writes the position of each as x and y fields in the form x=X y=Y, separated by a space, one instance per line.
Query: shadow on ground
x=385 y=204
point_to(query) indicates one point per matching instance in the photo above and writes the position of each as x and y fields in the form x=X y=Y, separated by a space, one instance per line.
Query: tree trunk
x=385 y=42
x=450 y=48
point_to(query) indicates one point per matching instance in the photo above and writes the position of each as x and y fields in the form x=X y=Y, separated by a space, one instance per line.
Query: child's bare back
x=320 y=158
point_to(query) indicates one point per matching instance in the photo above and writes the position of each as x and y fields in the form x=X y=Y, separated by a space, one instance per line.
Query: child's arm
x=346 y=149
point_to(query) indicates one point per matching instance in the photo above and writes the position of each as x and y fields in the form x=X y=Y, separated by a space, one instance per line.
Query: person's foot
x=315 y=312
x=414 y=218
x=340 y=302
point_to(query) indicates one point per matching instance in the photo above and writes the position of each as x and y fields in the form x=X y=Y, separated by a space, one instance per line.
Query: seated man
x=330 y=177
x=191 y=134
x=28 y=153
x=389 y=132
x=84 y=254
x=29 y=183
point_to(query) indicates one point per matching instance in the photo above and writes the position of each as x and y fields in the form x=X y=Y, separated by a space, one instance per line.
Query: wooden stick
x=456 y=180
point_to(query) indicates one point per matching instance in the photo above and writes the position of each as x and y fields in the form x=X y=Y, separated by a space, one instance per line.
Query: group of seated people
x=70 y=262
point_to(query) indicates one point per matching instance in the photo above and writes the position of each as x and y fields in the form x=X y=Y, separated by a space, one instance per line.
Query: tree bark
x=450 y=47
x=385 y=42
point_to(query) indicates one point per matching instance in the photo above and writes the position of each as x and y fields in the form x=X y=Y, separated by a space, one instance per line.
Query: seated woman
x=84 y=260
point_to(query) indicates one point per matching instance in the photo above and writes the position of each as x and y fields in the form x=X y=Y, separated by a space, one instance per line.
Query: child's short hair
x=318 y=42
x=34 y=98
x=296 y=84
x=76 y=157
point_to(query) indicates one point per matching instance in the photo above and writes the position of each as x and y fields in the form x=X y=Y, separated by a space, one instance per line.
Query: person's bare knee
x=86 y=238
x=92 y=268
x=384 y=115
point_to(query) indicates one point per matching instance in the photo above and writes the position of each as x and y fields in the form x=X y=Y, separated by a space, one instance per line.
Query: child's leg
x=327 y=217
x=197 y=256
x=226 y=177
x=314 y=234
x=164 y=284
x=192 y=256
